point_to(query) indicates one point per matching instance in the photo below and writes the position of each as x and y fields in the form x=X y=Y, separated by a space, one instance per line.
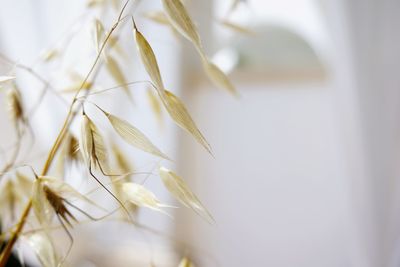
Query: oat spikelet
x=50 y=195
x=154 y=104
x=180 y=19
x=158 y=17
x=121 y=160
x=181 y=191
x=133 y=136
x=43 y=247
x=123 y=166
x=142 y=197
x=9 y=200
x=23 y=184
x=218 y=77
x=72 y=147
x=91 y=145
x=181 y=116
x=116 y=72
x=86 y=140
x=149 y=61
x=58 y=204
x=15 y=106
x=185 y=262
x=4 y=79
x=236 y=27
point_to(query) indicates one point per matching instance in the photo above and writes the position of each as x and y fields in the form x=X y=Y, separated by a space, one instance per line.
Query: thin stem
x=31 y=71
x=14 y=237
x=68 y=119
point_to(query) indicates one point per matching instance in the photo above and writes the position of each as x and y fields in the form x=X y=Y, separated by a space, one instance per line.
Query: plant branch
x=4 y=256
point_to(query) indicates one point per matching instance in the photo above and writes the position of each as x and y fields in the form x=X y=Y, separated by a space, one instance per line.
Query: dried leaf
x=185 y=262
x=133 y=136
x=236 y=27
x=180 y=115
x=218 y=77
x=180 y=19
x=149 y=61
x=140 y=196
x=181 y=191
x=44 y=249
x=4 y=79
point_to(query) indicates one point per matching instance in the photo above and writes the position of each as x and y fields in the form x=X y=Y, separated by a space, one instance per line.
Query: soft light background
x=306 y=164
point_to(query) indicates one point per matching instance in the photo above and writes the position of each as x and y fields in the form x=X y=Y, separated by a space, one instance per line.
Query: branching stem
x=5 y=254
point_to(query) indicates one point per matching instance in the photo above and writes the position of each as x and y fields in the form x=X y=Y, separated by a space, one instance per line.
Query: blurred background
x=306 y=170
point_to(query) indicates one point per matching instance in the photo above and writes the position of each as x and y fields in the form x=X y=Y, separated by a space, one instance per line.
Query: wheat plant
x=34 y=202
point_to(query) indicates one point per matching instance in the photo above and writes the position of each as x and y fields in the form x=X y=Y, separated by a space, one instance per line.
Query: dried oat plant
x=34 y=203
